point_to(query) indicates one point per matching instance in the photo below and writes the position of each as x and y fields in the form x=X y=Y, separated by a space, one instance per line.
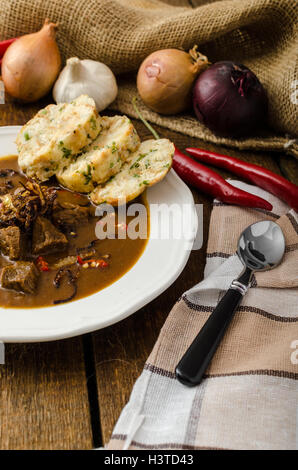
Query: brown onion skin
x=165 y=80
x=31 y=65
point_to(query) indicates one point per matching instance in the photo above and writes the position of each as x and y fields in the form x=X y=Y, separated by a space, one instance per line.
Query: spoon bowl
x=261 y=246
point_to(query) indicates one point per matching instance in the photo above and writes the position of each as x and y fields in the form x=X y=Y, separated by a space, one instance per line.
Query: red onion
x=230 y=100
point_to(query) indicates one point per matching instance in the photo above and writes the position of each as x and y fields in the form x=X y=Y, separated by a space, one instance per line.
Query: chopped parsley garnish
x=136 y=164
x=114 y=147
x=88 y=175
x=66 y=152
x=145 y=182
x=26 y=136
x=111 y=165
x=93 y=123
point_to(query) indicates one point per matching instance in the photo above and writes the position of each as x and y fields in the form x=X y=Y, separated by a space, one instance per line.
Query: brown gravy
x=123 y=254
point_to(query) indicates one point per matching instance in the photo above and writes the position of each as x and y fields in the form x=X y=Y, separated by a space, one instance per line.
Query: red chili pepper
x=42 y=264
x=5 y=44
x=212 y=183
x=79 y=260
x=102 y=263
x=256 y=174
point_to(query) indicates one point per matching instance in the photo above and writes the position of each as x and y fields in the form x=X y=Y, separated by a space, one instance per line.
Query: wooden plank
x=13 y=113
x=44 y=399
x=121 y=350
x=43 y=387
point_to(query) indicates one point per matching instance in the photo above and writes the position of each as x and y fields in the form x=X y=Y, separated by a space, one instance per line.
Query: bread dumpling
x=103 y=158
x=55 y=135
x=145 y=167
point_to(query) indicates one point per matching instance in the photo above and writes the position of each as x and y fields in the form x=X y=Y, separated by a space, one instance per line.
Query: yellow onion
x=31 y=64
x=166 y=77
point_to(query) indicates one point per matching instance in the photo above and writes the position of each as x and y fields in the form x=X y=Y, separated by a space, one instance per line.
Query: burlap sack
x=262 y=34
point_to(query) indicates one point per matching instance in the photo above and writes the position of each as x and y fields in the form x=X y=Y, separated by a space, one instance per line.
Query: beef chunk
x=11 y=242
x=46 y=237
x=20 y=276
x=68 y=215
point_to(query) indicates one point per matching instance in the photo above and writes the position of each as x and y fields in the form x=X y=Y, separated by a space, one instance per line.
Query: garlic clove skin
x=87 y=77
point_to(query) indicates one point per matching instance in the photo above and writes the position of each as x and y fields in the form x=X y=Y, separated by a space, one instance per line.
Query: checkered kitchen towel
x=249 y=398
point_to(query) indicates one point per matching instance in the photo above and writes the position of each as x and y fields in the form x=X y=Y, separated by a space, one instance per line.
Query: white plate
x=160 y=264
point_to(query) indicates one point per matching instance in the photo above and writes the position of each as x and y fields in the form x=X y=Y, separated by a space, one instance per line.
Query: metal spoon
x=260 y=247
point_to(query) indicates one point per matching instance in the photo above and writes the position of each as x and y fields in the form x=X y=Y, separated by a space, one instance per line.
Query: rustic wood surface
x=68 y=394
x=44 y=397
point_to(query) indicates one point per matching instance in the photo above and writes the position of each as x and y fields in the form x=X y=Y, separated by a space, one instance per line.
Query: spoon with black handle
x=261 y=247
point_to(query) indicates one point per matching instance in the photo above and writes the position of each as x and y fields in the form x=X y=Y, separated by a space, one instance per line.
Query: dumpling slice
x=146 y=167
x=56 y=134
x=103 y=158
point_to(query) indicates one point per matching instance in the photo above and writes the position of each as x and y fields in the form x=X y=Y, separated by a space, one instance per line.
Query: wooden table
x=68 y=394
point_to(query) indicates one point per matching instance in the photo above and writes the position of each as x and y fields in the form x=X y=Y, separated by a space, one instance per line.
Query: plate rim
x=14 y=335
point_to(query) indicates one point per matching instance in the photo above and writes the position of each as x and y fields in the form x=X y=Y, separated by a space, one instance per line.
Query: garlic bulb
x=86 y=77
